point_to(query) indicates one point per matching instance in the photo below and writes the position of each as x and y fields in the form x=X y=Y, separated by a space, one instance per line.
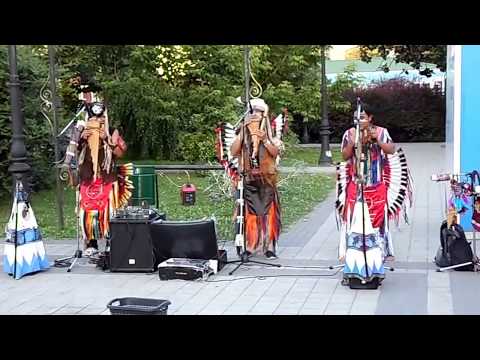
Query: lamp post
x=18 y=153
x=325 y=153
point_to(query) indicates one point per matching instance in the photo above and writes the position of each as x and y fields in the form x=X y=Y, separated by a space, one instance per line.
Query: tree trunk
x=306 y=136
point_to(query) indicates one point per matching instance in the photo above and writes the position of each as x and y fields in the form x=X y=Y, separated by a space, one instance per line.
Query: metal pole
x=325 y=153
x=18 y=152
x=246 y=64
x=53 y=89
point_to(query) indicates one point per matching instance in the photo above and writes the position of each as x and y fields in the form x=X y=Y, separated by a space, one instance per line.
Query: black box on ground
x=131 y=248
x=184 y=269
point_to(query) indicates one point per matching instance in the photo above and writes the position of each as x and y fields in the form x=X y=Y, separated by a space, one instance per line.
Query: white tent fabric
x=22 y=228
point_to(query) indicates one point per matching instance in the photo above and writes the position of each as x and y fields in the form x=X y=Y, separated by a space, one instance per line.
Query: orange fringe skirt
x=262 y=217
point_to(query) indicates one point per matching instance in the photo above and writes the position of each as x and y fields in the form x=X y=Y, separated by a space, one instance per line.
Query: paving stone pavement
x=302 y=286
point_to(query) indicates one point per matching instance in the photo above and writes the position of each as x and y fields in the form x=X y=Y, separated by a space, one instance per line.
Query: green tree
x=344 y=82
x=414 y=55
x=32 y=74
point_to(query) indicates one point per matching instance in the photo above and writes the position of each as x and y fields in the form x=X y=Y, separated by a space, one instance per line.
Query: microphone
x=356 y=116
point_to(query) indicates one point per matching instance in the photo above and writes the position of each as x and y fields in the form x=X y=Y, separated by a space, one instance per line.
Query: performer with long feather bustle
x=253 y=149
x=103 y=185
x=364 y=207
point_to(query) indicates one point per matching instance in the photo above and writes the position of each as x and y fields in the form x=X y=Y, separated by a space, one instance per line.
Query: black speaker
x=184 y=239
x=131 y=247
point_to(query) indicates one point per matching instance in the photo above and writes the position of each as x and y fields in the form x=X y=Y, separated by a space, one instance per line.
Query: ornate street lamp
x=325 y=153
x=18 y=153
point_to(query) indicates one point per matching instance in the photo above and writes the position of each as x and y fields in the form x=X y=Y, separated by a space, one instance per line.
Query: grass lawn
x=307 y=156
x=294 y=156
x=298 y=194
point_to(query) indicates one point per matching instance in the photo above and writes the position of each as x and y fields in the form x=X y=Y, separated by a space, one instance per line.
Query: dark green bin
x=146 y=186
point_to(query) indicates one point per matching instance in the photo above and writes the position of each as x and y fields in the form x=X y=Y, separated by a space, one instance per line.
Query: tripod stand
x=67 y=261
x=17 y=189
x=475 y=195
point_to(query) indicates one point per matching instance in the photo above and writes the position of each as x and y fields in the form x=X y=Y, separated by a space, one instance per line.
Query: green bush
x=144 y=111
x=411 y=112
x=197 y=147
x=290 y=141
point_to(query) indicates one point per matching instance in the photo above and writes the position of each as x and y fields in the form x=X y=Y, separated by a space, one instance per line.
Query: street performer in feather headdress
x=373 y=186
x=257 y=148
x=103 y=186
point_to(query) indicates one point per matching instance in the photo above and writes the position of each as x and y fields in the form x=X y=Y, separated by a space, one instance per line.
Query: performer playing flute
x=252 y=149
x=104 y=186
x=372 y=186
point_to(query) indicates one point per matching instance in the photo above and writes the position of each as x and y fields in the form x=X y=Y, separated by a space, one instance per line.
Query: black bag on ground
x=454 y=248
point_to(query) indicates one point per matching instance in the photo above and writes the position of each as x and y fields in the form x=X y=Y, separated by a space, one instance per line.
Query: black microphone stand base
x=357 y=284
x=74 y=257
x=62 y=262
x=245 y=259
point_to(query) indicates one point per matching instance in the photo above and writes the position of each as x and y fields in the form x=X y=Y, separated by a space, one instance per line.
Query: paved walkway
x=301 y=286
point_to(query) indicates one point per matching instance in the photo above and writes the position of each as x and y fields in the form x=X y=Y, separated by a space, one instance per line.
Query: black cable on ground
x=261 y=277
x=62 y=264
x=305 y=267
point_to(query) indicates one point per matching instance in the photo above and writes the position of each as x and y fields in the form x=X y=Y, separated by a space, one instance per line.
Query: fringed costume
x=103 y=186
x=99 y=198
x=388 y=192
x=253 y=169
x=28 y=254
x=262 y=216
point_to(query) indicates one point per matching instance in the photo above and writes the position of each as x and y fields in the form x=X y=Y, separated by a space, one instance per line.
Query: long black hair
x=368 y=109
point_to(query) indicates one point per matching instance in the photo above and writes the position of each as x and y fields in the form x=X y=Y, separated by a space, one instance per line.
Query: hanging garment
x=98 y=200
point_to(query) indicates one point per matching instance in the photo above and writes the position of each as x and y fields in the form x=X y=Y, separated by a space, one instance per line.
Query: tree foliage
x=167 y=99
x=414 y=55
x=32 y=71
x=411 y=112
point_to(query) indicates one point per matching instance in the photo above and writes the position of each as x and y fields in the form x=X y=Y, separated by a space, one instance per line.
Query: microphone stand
x=17 y=193
x=474 y=195
x=82 y=109
x=70 y=261
x=360 y=177
x=244 y=256
x=360 y=180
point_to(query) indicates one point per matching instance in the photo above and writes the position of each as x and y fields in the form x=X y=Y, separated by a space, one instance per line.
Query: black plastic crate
x=138 y=306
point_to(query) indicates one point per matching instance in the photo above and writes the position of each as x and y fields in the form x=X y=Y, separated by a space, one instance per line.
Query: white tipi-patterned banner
x=22 y=228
